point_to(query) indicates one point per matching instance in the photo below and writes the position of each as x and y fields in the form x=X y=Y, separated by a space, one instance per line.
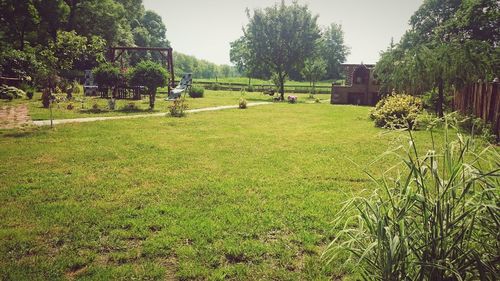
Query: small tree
x=107 y=75
x=151 y=75
x=313 y=70
x=280 y=38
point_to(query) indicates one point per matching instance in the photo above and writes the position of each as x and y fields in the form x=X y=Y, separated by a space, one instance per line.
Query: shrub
x=476 y=127
x=196 y=92
x=151 y=75
x=317 y=100
x=243 y=103
x=430 y=100
x=177 y=108
x=70 y=106
x=437 y=221
x=111 y=104
x=46 y=98
x=397 y=111
x=95 y=106
x=292 y=99
x=130 y=107
x=106 y=75
x=30 y=94
x=250 y=88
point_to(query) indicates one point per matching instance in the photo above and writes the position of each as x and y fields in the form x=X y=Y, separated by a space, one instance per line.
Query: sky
x=204 y=28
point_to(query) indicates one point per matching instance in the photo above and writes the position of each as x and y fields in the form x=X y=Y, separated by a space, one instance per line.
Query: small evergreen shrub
x=243 y=103
x=30 y=94
x=250 y=89
x=70 y=106
x=197 y=92
x=397 y=111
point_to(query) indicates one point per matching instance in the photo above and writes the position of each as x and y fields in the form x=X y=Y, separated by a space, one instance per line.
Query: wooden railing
x=480 y=100
x=262 y=87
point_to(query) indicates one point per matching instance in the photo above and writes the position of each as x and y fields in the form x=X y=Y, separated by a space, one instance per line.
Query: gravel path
x=93 y=119
x=14 y=117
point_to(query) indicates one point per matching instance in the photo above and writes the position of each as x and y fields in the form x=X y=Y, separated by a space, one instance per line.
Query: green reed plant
x=437 y=219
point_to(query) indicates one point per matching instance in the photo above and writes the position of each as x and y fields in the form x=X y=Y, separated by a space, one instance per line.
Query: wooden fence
x=481 y=100
x=261 y=87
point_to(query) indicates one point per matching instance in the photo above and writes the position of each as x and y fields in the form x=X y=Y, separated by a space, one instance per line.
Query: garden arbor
x=116 y=52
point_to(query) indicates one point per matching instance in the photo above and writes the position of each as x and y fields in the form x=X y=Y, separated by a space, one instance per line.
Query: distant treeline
x=201 y=68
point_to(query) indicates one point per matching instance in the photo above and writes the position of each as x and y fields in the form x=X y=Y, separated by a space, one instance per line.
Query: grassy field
x=235 y=194
x=81 y=110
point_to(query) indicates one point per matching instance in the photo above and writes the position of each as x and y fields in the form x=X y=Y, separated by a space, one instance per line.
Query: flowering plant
x=292 y=99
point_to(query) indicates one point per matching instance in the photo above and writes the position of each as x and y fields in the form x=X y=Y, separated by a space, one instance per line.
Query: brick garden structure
x=361 y=88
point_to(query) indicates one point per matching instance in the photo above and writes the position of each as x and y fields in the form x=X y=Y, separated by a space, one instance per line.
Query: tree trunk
x=439 y=106
x=72 y=12
x=152 y=97
x=281 y=78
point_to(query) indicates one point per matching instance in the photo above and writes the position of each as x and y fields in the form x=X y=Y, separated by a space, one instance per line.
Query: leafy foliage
x=196 y=92
x=151 y=75
x=446 y=48
x=436 y=221
x=107 y=75
x=313 y=71
x=397 y=111
x=279 y=38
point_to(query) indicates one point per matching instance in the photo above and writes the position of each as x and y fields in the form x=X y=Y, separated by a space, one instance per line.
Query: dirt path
x=14 y=117
x=93 y=119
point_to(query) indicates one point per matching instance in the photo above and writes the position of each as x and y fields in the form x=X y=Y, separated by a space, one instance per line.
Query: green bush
x=250 y=88
x=438 y=220
x=430 y=101
x=397 y=111
x=130 y=107
x=177 y=108
x=196 y=92
x=243 y=103
x=30 y=94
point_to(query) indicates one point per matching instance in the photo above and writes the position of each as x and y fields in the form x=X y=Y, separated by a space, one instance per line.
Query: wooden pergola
x=116 y=52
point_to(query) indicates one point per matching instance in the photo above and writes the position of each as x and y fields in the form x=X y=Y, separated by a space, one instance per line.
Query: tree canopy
x=450 y=43
x=279 y=38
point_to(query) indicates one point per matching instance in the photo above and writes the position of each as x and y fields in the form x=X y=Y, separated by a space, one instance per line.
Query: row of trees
x=285 y=41
x=202 y=68
x=43 y=39
x=450 y=43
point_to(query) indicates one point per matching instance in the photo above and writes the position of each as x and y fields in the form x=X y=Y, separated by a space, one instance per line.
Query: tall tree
x=281 y=38
x=314 y=70
x=444 y=49
x=333 y=50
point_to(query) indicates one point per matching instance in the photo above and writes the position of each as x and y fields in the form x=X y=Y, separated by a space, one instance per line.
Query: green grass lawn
x=211 y=98
x=235 y=194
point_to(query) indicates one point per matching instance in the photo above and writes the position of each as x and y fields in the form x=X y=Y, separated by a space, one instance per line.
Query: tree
x=281 y=38
x=151 y=75
x=333 y=50
x=445 y=49
x=107 y=75
x=17 y=18
x=313 y=70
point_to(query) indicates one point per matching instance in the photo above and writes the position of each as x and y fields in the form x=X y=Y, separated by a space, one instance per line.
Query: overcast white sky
x=204 y=28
